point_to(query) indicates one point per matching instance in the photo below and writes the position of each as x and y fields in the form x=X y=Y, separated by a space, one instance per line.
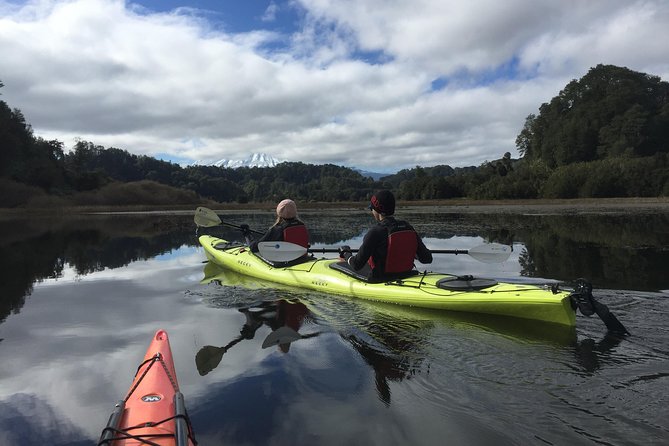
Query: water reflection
x=414 y=375
x=392 y=340
x=614 y=251
x=611 y=251
x=283 y=317
x=384 y=351
x=35 y=249
x=589 y=353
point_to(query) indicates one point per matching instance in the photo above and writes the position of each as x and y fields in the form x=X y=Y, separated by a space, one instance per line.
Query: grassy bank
x=623 y=205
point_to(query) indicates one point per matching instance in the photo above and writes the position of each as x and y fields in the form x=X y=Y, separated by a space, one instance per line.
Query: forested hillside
x=605 y=135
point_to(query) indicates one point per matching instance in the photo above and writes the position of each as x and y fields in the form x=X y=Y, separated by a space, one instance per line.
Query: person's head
x=383 y=202
x=286 y=209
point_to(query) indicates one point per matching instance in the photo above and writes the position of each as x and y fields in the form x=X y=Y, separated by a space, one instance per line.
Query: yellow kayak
x=425 y=289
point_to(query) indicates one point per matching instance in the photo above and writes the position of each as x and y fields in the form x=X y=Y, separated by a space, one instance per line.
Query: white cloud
x=115 y=74
x=270 y=13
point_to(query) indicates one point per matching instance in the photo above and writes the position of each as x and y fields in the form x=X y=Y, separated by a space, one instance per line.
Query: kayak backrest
x=297 y=234
x=402 y=247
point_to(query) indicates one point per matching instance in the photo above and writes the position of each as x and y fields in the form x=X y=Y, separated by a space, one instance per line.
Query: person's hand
x=344 y=252
x=246 y=231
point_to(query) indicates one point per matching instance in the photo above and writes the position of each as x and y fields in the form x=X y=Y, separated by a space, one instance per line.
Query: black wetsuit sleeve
x=374 y=238
x=422 y=253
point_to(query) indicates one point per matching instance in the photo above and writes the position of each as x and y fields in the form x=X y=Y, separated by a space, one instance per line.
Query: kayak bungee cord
x=152 y=361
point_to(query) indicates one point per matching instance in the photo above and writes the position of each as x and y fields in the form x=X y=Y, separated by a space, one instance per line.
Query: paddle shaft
x=240 y=228
x=433 y=251
x=282 y=251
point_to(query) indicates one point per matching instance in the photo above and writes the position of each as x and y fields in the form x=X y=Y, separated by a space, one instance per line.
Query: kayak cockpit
x=362 y=275
x=450 y=283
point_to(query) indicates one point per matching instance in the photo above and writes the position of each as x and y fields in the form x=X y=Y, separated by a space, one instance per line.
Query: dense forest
x=605 y=135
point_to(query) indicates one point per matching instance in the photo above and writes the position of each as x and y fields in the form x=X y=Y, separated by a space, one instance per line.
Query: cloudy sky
x=375 y=84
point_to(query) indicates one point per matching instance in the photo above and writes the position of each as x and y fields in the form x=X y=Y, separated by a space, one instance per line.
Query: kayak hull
x=422 y=290
x=153 y=411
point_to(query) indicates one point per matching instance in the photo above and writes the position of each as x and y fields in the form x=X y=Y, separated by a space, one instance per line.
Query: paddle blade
x=281 y=251
x=206 y=218
x=490 y=253
x=208 y=358
x=280 y=336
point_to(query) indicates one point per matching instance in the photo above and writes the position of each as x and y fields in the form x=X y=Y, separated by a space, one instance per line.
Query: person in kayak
x=390 y=247
x=287 y=227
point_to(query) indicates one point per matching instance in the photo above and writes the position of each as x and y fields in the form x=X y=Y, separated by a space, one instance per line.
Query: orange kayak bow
x=153 y=412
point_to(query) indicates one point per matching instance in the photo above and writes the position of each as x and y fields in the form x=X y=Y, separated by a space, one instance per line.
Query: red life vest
x=402 y=246
x=296 y=233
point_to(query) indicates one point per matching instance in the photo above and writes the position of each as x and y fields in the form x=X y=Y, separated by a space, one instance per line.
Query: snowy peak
x=255 y=160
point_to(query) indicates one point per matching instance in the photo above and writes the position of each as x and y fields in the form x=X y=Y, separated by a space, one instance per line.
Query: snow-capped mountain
x=255 y=160
x=265 y=160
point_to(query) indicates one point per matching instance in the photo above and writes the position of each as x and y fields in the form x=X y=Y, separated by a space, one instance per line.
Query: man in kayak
x=287 y=227
x=390 y=247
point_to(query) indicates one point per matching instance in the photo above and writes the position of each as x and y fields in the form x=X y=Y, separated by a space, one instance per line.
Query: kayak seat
x=465 y=283
x=345 y=268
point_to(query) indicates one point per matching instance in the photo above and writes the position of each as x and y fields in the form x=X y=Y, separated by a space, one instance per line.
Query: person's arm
x=369 y=243
x=422 y=253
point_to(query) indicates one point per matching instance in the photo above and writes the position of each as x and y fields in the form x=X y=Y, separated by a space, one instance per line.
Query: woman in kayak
x=287 y=227
x=390 y=247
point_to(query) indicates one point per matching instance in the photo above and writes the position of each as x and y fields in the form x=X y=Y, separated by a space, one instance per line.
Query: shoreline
x=626 y=205
x=644 y=205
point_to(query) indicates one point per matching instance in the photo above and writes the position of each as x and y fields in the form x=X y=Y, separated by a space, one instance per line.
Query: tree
x=524 y=139
x=608 y=112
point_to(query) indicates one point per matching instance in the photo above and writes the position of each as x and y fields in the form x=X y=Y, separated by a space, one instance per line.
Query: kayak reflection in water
x=284 y=318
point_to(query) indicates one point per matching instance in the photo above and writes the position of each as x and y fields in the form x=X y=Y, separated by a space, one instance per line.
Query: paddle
x=206 y=218
x=285 y=251
x=208 y=357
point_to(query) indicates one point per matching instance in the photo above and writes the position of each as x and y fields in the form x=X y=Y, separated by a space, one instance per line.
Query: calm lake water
x=80 y=299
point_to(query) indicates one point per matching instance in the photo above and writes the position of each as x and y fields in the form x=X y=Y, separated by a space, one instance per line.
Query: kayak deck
x=153 y=411
x=425 y=290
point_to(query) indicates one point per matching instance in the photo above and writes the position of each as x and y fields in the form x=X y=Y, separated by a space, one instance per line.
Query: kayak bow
x=153 y=412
